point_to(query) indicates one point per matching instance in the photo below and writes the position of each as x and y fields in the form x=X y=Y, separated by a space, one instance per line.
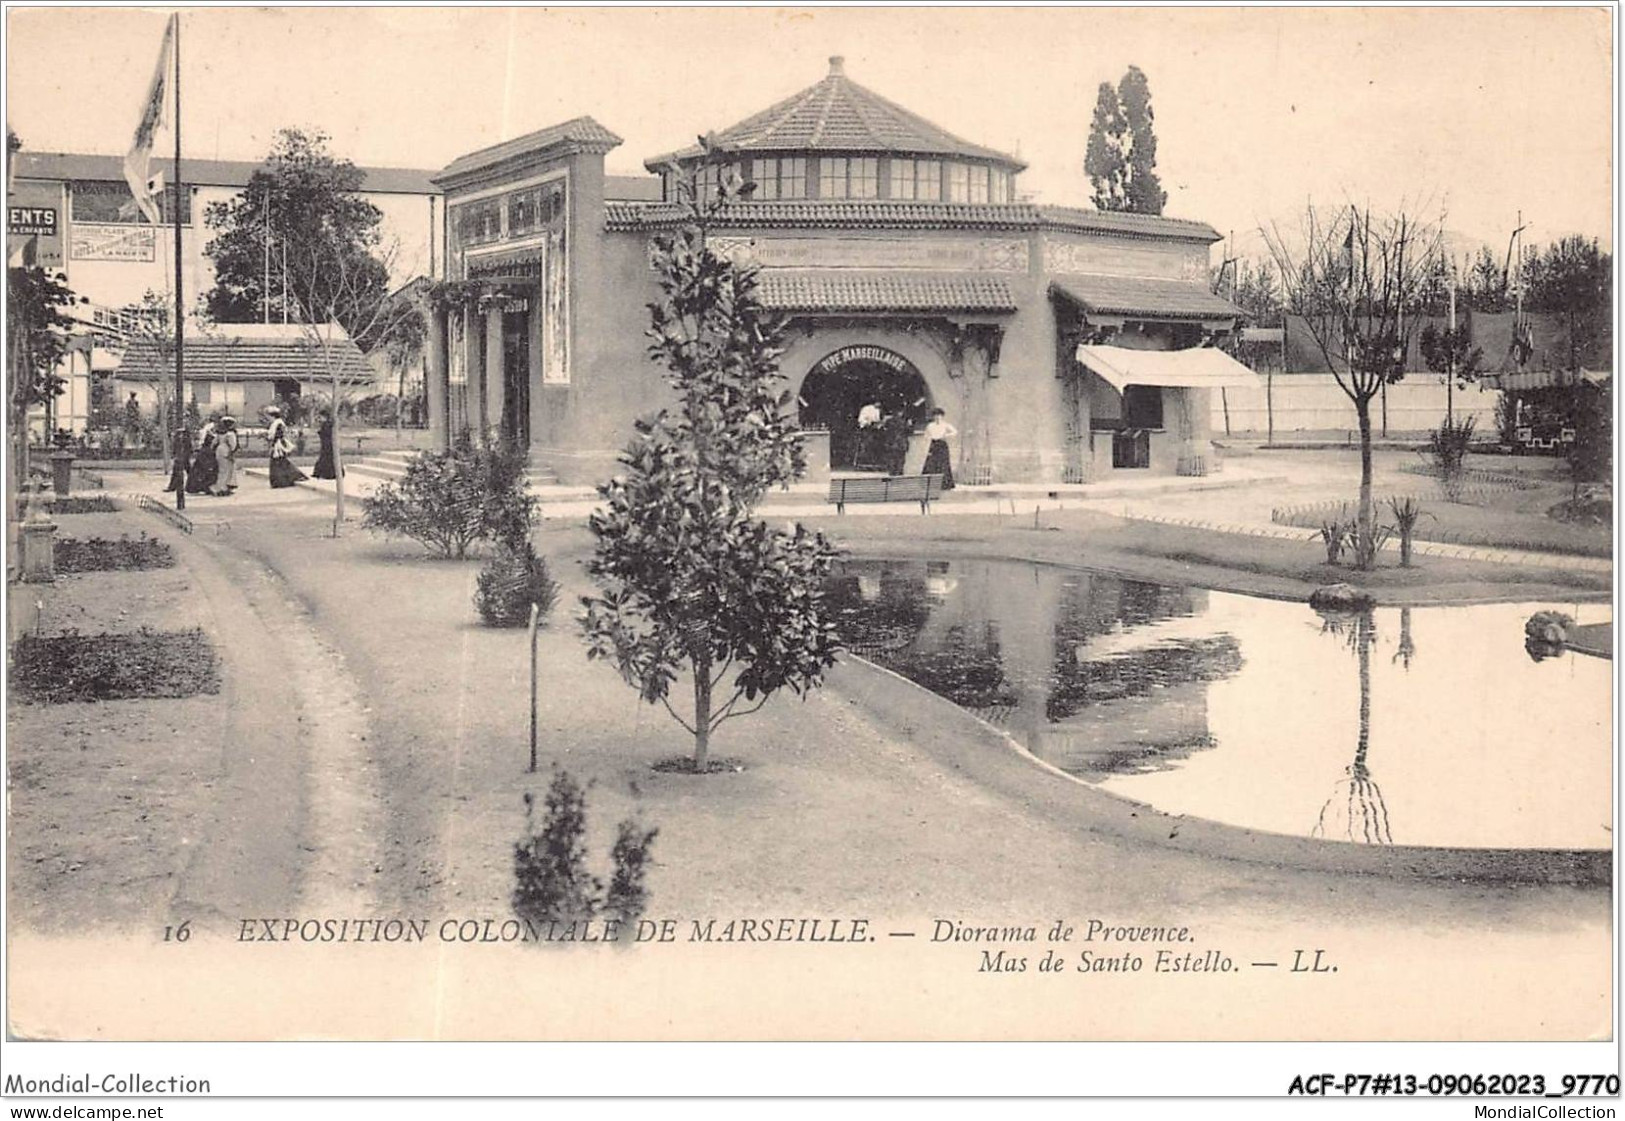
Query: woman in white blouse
x=936 y=455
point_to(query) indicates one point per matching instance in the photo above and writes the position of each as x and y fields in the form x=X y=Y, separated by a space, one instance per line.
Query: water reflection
x=1356 y=810
x=1242 y=710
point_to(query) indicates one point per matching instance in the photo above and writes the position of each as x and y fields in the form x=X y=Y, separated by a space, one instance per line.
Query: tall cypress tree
x=1143 y=191
x=1104 y=160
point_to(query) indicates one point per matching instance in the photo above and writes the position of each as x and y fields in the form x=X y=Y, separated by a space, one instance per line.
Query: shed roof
x=854 y=291
x=253 y=352
x=838 y=115
x=1145 y=297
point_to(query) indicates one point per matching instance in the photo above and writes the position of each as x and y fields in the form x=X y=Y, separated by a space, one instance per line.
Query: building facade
x=75 y=213
x=912 y=276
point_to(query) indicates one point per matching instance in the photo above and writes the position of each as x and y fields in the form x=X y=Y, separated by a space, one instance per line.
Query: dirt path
x=298 y=824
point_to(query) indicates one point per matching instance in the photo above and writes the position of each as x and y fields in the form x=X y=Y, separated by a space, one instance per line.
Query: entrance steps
x=390 y=466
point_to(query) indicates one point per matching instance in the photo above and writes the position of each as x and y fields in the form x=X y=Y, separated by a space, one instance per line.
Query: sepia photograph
x=811 y=525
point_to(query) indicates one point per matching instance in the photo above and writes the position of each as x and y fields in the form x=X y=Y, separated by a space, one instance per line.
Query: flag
x=136 y=171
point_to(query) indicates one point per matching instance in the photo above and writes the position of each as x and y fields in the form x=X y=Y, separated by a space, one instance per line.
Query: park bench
x=890 y=488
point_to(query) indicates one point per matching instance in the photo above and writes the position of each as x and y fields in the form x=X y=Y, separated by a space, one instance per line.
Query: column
x=437 y=382
x=495 y=387
x=474 y=372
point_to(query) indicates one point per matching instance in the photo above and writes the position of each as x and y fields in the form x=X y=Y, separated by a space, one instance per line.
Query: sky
x=1469 y=115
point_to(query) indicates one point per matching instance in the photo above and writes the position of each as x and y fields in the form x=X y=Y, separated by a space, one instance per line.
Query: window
x=929 y=180
x=1142 y=406
x=832 y=177
x=765 y=174
x=793 y=178
x=1001 y=186
x=958 y=182
x=99 y=201
x=978 y=184
x=902 y=179
x=865 y=177
x=522 y=211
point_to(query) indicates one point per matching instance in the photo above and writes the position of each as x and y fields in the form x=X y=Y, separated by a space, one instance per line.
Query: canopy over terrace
x=1197 y=368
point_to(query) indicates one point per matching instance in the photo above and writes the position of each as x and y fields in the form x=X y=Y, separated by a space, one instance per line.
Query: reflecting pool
x=1413 y=726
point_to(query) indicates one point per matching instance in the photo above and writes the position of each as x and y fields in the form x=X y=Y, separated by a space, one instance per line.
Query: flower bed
x=95 y=504
x=98 y=554
x=104 y=667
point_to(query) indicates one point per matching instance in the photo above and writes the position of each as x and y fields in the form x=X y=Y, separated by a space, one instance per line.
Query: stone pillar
x=39 y=546
x=437 y=382
x=474 y=372
x=495 y=387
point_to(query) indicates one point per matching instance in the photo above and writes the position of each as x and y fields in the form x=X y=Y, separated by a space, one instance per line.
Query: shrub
x=1506 y=418
x=1407 y=512
x=450 y=499
x=627 y=896
x=1448 y=445
x=514 y=579
x=1335 y=532
x=552 y=883
x=104 y=667
x=94 y=504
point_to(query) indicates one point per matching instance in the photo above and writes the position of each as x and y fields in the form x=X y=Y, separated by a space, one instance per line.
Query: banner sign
x=31 y=220
x=34 y=225
x=91 y=241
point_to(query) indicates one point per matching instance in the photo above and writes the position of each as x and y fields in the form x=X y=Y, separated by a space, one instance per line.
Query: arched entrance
x=839 y=387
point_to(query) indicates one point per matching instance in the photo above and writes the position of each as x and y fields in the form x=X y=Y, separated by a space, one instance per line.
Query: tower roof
x=839 y=115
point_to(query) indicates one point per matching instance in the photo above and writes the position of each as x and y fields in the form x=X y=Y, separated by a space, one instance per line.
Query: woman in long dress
x=324 y=458
x=205 y=467
x=226 y=456
x=936 y=454
x=283 y=472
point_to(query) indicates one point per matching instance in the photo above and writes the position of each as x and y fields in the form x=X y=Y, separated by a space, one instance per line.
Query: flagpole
x=184 y=447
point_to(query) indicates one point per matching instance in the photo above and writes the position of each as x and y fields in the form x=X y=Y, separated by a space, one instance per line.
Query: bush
x=552 y=883
x=104 y=667
x=94 y=504
x=450 y=499
x=514 y=579
x=1335 y=532
x=1448 y=445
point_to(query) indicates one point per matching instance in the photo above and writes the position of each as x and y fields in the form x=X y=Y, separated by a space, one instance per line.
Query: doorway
x=837 y=394
x=515 y=419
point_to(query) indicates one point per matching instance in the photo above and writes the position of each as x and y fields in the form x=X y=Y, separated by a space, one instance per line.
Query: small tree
x=1103 y=159
x=1121 y=156
x=689 y=577
x=447 y=500
x=1451 y=353
x=1358 y=284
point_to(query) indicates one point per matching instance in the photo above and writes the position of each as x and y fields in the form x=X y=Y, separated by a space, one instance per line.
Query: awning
x=1520 y=380
x=1200 y=367
x=851 y=291
x=1142 y=297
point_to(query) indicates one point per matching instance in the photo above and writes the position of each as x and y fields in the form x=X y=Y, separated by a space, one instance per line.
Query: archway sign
x=870 y=399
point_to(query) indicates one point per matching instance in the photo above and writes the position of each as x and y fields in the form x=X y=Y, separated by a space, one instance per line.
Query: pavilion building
x=1064 y=344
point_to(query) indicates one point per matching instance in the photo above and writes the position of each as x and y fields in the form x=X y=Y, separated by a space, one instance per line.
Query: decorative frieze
x=1118 y=257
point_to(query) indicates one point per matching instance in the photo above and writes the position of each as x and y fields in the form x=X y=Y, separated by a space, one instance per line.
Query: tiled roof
x=844 y=290
x=838 y=115
x=250 y=352
x=582 y=132
x=1144 y=296
x=202 y=173
x=903 y=214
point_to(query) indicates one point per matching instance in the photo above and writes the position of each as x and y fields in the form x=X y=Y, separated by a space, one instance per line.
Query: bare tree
x=328 y=287
x=1358 y=281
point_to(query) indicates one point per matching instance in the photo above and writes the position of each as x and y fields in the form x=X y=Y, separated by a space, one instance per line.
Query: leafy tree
x=305 y=207
x=688 y=576
x=37 y=339
x=1144 y=189
x=1359 y=283
x=1103 y=159
x=447 y=500
x=1573 y=279
x=1451 y=352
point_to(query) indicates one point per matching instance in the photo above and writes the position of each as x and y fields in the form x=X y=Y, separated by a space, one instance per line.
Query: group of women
x=213 y=469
